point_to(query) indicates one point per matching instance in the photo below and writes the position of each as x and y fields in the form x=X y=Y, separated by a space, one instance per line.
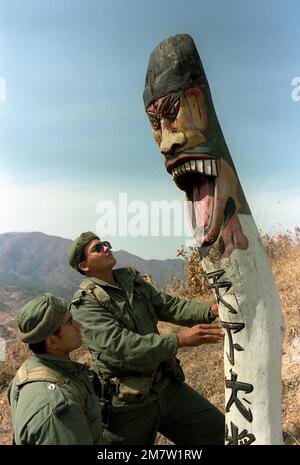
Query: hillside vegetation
x=203 y=365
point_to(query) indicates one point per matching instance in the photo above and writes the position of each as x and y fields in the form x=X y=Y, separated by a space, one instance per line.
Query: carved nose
x=170 y=141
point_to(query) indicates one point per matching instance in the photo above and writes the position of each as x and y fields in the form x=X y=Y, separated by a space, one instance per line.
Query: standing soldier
x=51 y=397
x=143 y=389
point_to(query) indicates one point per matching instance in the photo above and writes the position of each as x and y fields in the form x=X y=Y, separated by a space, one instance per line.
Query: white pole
x=250 y=312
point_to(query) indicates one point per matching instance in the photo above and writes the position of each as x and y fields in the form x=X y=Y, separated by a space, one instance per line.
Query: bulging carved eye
x=172 y=113
x=154 y=122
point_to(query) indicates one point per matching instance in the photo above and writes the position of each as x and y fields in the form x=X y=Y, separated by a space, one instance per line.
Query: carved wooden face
x=180 y=126
x=177 y=121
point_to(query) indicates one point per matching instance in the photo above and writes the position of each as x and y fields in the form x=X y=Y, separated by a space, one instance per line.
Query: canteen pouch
x=133 y=388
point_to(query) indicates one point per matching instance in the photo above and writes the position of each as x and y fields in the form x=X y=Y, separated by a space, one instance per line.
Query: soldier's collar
x=123 y=278
x=63 y=363
x=100 y=282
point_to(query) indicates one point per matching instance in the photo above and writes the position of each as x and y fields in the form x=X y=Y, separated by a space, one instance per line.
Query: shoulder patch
x=51 y=386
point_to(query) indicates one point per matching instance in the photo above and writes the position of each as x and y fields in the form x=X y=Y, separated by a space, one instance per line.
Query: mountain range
x=39 y=262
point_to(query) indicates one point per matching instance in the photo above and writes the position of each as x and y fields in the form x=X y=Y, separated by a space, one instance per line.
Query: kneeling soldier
x=51 y=397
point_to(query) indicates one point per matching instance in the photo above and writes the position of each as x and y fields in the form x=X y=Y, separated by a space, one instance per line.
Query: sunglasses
x=100 y=247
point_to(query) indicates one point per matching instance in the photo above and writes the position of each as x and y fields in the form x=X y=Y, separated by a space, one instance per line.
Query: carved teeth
x=203 y=166
x=193 y=165
x=214 y=168
x=207 y=167
x=187 y=166
x=199 y=164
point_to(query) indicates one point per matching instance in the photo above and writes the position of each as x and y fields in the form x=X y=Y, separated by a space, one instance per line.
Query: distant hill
x=11 y=300
x=36 y=261
x=161 y=270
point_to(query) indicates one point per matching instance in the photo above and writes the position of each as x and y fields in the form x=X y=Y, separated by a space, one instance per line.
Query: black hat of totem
x=174 y=66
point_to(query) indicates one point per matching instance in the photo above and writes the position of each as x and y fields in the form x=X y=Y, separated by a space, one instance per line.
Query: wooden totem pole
x=179 y=105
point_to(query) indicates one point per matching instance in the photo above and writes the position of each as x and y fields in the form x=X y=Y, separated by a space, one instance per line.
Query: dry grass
x=287 y=274
x=203 y=365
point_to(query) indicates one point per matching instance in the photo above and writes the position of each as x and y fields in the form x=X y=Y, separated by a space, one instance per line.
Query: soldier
x=141 y=378
x=51 y=397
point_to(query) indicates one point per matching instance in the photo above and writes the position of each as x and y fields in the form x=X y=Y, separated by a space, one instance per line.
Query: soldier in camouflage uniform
x=143 y=390
x=51 y=397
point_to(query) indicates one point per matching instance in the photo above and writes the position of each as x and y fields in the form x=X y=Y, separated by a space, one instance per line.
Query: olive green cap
x=41 y=317
x=78 y=246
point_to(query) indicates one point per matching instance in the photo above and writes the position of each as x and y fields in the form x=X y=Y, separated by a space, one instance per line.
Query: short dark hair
x=40 y=347
x=82 y=259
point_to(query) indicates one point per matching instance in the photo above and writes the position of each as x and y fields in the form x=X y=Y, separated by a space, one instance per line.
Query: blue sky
x=73 y=131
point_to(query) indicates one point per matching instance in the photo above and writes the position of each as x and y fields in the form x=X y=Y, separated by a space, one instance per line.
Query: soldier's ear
x=52 y=343
x=83 y=267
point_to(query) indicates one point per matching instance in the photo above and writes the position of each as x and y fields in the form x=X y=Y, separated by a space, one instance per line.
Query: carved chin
x=212 y=213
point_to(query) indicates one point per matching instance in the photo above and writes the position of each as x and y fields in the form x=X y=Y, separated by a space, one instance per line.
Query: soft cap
x=41 y=317
x=78 y=246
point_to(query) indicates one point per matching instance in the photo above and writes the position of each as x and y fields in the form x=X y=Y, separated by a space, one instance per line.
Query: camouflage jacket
x=53 y=402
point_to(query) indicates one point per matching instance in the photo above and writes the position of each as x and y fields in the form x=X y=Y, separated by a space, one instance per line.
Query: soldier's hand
x=200 y=334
